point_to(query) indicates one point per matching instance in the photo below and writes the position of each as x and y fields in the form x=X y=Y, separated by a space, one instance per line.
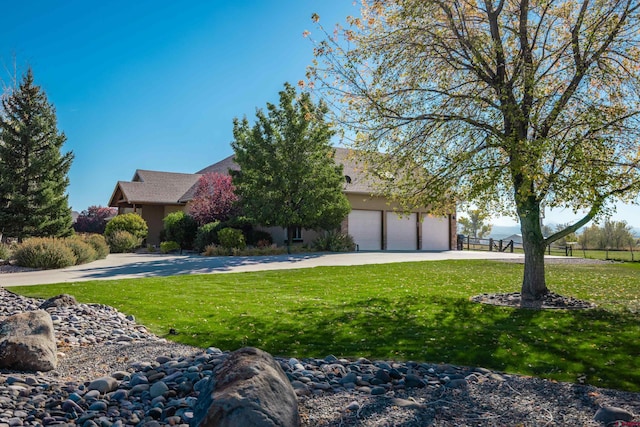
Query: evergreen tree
x=33 y=171
x=288 y=177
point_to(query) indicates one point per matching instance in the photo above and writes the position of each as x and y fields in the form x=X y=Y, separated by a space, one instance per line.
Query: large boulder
x=27 y=342
x=250 y=389
x=59 y=301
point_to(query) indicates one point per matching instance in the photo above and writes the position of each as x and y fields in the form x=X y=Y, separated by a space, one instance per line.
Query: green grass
x=408 y=311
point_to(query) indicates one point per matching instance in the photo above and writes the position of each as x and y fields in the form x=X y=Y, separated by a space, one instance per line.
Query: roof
x=154 y=187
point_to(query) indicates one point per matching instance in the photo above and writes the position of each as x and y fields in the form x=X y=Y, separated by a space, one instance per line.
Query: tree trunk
x=533 y=283
x=289 y=239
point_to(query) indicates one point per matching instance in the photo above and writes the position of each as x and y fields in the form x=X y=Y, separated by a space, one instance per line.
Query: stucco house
x=373 y=223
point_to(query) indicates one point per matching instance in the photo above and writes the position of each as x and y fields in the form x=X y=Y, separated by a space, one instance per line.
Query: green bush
x=122 y=241
x=181 y=228
x=231 y=238
x=83 y=251
x=5 y=252
x=260 y=238
x=99 y=244
x=207 y=235
x=166 y=247
x=44 y=252
x=334 y=241
x=131 y=223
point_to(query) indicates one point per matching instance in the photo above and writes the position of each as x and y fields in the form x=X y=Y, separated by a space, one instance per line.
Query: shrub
x=214 y=250
x=259 y=238
x=99 y=244
x=94 y=219
x=122 y=241
x=207 y=235
x=131 y=223
x=83 y=251
x=44 y=252
x=181 y=228
x=5 y=252
x=166 y=247
x=232 y=238
x=334 y=241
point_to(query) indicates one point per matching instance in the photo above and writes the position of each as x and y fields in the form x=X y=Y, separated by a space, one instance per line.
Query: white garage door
x=402 y=232
x=435 y=233
x=366 y=229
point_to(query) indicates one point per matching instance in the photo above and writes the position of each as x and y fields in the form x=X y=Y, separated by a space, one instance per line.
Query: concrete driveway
x=126 y=266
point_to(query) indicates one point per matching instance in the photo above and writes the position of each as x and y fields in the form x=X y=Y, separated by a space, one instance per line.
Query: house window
x=296 y=234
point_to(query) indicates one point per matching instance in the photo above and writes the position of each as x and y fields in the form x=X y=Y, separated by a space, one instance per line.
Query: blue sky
x=156 y=84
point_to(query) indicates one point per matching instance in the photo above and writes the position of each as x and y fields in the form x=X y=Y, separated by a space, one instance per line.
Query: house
x=373 y=222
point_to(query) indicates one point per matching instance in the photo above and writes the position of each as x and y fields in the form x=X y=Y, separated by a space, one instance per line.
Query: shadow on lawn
x=188 y=264
x=595 y=347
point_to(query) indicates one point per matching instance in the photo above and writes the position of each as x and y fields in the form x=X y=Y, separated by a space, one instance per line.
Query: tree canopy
x=214 y=199
x=476 y=224
x=288 y=176
x=33 y=171
x=513 y=105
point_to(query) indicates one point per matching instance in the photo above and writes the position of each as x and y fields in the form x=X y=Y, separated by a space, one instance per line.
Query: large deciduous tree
x=33 y=171
x=516 y=103
x=288 y=176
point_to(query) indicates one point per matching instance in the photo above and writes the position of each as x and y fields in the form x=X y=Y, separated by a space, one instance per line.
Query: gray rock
x=27 y=342
x=414 y=381
x=158 y=389
x=609 y=414
x=250 y=389
x=63 y=300
x=104 y=385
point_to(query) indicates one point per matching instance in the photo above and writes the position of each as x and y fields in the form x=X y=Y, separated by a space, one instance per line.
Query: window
x=297 y=234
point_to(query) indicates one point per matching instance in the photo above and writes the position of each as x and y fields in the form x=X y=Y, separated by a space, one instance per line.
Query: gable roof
x=169 y=188
x=154 y=187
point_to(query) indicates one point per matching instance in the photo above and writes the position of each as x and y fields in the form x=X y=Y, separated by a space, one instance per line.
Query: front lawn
x=407 y=311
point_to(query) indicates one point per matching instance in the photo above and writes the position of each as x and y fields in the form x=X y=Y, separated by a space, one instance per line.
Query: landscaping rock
x=63 y=300
x=249 y=389
x=609 y=414
x=27 y=342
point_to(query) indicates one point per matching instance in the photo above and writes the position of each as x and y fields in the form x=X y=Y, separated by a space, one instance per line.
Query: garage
x=366 y=229
x=402 y=232
x=435 y=233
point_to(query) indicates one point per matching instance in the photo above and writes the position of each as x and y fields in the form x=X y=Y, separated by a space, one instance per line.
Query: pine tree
x=33 y=171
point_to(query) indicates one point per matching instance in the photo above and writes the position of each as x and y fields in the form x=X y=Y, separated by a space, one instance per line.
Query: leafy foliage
x=288 y=177
x=612 y=235
x=517 y=104
x=98 y=243
x=181 y=228
x=33 y=172
x=83 y=251
x=121 y=241
x=129 y=222
x=231 y=238
x=334 y=241
x=5 y=252
x=475 y=225
x=207 y=235
x=214 y=199
x=170 y=246
x=44 y=252
x=94 y=219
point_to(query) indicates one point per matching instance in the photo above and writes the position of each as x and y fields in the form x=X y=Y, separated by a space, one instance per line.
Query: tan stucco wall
x=153 y=214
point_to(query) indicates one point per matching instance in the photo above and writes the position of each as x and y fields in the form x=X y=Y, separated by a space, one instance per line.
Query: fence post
x=512 y=245
x=490 y=245
x=500 y=245
x=468 y=239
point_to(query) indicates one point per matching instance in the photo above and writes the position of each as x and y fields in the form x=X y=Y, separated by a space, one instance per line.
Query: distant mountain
x=500 y=231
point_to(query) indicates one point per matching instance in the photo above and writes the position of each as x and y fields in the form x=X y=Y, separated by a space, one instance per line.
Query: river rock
x=249 y=389
x=27 y=342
